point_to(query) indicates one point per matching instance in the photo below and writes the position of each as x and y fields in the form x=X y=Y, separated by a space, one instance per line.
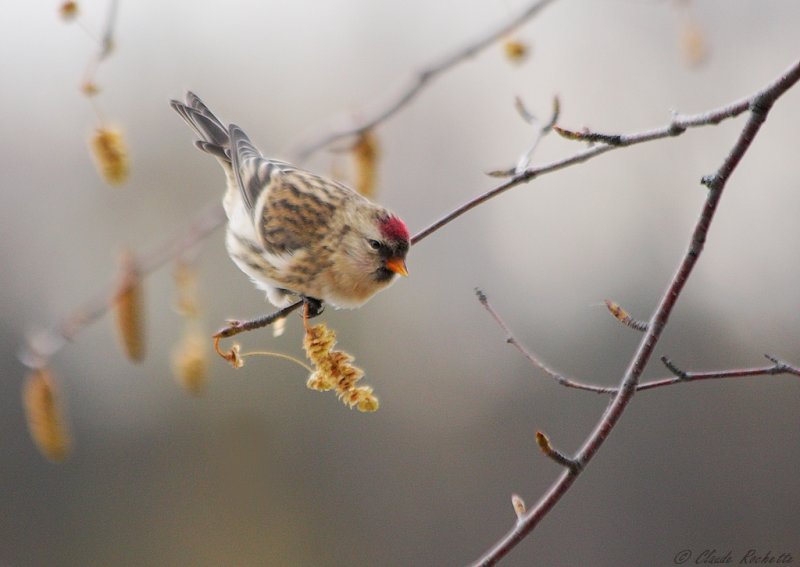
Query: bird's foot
x=313 y=307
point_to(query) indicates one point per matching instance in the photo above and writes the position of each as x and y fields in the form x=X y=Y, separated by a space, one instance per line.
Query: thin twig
x=50 y=342
x=624 y=317
x=236 y=327
x=677 y=372
x=105 y=47
x=677 y=126
x=540 y=131
x=304 y=149
x=532 y=358
x=590 y=137
x=44 y=345
x=547 y=448
x=107 y=44
x=680 y=376
x=759 y=106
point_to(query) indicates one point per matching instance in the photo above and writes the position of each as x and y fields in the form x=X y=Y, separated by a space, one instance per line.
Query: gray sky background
x=262 y=471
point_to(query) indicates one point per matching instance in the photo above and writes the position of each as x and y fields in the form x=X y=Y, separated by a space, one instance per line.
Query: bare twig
x=532 y=358
x=45 y=344
x=759 y=106
x=107 y=43
x=50 y=342
x=677 y=372
x=624 y=317
x=236 y=327
x=105 y=47
x=304 y=149
x=590 y=137
x=680 y=376
x=677 y=126
x=559 y=457
x=540 y=131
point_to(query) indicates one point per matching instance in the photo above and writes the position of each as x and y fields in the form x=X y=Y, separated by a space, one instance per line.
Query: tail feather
x=214 y=137
x=243 y=163
x=214 y=149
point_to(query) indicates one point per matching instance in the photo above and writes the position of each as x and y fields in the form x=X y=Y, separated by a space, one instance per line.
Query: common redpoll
x=296 y=234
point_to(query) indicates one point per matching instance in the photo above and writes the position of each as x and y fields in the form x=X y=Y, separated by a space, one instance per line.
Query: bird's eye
x=374 y=244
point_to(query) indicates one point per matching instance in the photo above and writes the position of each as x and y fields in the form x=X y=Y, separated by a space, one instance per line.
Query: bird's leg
x=312 y=307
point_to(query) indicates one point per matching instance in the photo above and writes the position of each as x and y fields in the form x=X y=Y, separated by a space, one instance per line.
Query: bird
x=298 y=235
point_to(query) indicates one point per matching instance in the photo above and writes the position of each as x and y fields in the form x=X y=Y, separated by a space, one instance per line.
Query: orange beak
x=397 y=265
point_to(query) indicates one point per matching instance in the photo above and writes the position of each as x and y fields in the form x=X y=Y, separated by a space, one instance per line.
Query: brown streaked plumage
x=297 y=234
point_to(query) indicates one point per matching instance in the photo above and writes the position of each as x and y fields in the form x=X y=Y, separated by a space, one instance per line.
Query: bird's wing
x=253 y=172
x=299 y=211
x=298 y=206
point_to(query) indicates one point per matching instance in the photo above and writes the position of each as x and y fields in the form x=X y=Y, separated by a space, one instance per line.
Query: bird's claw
x=314 y=307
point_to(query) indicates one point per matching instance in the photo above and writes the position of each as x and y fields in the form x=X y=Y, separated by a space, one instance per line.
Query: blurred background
x=263 y=471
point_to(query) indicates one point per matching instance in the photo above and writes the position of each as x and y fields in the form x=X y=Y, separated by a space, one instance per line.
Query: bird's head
x=375 y=243
x=390 y=247
x=368 y=250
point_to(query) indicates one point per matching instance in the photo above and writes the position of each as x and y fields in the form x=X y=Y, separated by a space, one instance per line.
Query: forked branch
x=759 y=106
x=418 y=81
x=46 y=344
x=680 y=376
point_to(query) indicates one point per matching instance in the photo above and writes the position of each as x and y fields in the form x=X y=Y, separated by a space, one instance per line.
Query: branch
x=557 y=456
x=105 y=47
x=532 y=358
x=677 y=126
x=48 y=343
x=540 y=131
x=624 y=317
x=680 y=376
x=418 y=81
x=236 y=327
x=759 y=105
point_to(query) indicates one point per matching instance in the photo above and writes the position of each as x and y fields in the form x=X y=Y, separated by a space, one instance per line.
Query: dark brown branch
x=303 y=150
x=759 y=106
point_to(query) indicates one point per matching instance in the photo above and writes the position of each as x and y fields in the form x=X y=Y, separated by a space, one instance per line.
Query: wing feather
x=297 y=210
x=253 y=172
